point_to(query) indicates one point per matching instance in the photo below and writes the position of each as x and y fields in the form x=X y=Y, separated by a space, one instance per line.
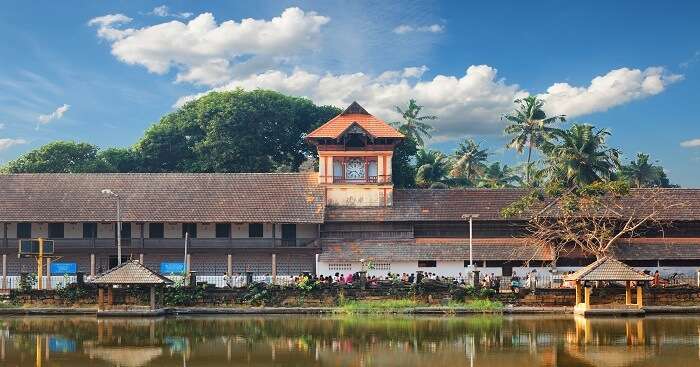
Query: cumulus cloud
x=107 y=26
x=204 y=52
x=471 y=103
x=405 y=28
x=617 y=87
x=692 y=143
x=164 y=11
x=55 y=115
x=7 y=143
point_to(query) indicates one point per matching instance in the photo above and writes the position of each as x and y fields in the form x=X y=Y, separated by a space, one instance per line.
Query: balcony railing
x=201 y=243
x=366 y=180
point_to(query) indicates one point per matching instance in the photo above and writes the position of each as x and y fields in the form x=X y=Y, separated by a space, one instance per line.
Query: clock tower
x=355 y=150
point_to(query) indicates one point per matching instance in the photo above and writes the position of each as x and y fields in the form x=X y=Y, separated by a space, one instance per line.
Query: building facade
x=287 y=223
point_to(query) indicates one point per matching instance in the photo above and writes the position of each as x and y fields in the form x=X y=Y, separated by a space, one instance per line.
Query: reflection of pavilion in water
x=522 y=341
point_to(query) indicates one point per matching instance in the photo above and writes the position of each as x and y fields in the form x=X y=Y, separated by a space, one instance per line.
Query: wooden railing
x=366 y=180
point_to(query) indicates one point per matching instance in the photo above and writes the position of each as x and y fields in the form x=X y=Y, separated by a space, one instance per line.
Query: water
x=282 y=341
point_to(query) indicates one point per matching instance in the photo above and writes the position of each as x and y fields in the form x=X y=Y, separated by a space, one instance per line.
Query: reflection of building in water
x=124 y=356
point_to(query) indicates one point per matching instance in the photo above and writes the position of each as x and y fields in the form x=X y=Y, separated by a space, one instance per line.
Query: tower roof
x=355 y=115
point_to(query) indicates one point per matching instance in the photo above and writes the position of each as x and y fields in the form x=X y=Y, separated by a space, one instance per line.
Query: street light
x=119 y=224
x=470 y=217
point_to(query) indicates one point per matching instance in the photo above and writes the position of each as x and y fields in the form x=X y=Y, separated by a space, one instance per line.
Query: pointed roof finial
x=355 y=108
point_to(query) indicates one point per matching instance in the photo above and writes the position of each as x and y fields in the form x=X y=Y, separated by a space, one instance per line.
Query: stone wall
x=676 y=296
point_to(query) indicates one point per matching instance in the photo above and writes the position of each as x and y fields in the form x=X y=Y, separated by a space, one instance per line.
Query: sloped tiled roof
x=608 y=269
x=163 y=197
x=449 y=205
x=657 y=249
x=356 y=250
x=355 y=114
x=131 y=272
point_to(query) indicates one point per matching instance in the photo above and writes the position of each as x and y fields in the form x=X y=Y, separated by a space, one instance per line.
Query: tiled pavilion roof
x=131 y=272
x=608 y=269
x=355 y=114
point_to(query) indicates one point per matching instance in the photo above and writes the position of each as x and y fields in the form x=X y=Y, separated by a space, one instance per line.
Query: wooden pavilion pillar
x=110 y=296
x=587 y=298
x=100 y=298
x=640 y=296
x=578 y=292
x=153 y=297
x=628 y=293
x=274 y=268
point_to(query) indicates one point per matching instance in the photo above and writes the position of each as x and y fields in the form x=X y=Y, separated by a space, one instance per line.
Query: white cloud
x=106 y=26
x=466 y=104
x=204 y=52
x=617 y=87
x=692 y=143
x=405 y=28
x=2 y=126
x=164 y=11
x=7 y=143
x=55 y=115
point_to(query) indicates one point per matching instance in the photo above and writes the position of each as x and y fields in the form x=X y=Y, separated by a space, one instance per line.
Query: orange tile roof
x=355 y=114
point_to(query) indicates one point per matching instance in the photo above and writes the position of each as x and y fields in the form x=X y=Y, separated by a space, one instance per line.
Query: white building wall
x=239 y=230
x=73 y=230
x=206 y=230
x=172 y=230
x=105 y=230
x=40 y=230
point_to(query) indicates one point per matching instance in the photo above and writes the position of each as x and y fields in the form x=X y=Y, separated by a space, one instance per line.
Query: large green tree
x=468 y=161
x=237 y=131
x=413 y=125
x=59 y=157
x=530 y=127
x=641 y=173
x=496 y=176
x=580 y=156
x=431 y=167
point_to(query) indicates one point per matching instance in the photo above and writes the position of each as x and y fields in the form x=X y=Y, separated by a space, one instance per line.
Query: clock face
x=355 y=169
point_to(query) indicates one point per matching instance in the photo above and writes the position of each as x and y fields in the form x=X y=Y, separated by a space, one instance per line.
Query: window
x=255 y=230
x=372 y=169
x=381 y=266
x=427 y=264
x=337 y=169
x=155 y=230
x=126 y=230
x=339 y=267
x=24 y=230
x=223 y=230
x=355 y=169
x=89 y=230
x=190 y=228
x=56 y=230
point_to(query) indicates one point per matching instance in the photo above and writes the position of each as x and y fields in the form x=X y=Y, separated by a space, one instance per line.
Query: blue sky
x=102 y=72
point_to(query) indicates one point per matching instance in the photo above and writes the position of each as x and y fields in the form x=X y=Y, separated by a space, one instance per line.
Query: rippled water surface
x=350 y=341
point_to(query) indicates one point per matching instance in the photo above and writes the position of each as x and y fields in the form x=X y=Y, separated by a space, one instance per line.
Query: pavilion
x=129 y=273
x=607 y=269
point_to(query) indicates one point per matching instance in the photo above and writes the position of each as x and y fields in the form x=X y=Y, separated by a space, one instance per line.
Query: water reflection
x=350 y=341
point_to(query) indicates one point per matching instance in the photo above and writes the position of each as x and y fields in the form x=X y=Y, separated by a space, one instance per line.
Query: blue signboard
x=63 y=268
x=172 y=268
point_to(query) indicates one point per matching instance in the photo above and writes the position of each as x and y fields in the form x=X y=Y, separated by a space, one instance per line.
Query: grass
x=477 y=305
x=379 y=306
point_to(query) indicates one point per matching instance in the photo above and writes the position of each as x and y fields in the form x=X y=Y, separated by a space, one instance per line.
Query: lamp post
x=470 y=217
x=119 y=224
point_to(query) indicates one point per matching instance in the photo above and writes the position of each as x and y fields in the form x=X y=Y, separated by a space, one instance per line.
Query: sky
x=103 y=72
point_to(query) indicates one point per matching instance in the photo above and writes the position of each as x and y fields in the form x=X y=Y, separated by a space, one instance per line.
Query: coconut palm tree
x=641 y=173
x=413 y=124
x=581 y=156
x=530 y=127
x=496 y=176
x=431 y=166
x=468 y=160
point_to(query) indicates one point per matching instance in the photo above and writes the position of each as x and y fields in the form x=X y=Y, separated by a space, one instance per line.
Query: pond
x=668 y=341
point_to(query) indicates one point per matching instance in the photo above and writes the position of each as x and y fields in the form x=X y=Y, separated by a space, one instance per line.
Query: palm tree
x=497 y=177
x=468 y=160
x=431 y=167
x=641 y=173
x=413 y=125
x=529 y=127
x=581 y=155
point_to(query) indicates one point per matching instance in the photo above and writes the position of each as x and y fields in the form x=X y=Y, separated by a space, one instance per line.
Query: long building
x=287 y=223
